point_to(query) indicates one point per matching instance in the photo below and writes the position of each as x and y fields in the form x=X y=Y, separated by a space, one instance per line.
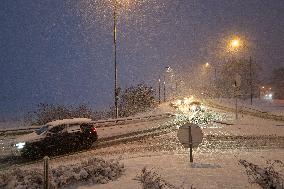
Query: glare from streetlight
x=207 y=65
x=234 y=44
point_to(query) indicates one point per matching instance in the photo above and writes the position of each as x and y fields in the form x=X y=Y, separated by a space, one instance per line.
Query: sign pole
x=45 y=172
x=236 y=105
x=190 y=145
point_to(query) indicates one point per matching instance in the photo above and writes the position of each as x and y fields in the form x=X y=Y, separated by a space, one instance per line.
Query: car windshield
x=41 y=130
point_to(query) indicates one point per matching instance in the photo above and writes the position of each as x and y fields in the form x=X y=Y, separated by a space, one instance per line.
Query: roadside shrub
x=92 y=171
x=266 y=177
x=149 y=179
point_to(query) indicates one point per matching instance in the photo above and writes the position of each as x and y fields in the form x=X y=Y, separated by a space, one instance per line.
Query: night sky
x=61 y=52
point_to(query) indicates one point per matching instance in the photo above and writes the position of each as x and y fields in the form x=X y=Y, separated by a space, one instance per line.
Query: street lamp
x=168 y=70
x=115 y=62
x=116 y=88
x=234 y=45
x=210 y=67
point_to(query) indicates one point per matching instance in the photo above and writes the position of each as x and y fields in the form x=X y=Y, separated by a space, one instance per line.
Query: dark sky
x=61 y=51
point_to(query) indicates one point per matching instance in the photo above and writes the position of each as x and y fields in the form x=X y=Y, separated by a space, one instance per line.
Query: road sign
x=184 y=135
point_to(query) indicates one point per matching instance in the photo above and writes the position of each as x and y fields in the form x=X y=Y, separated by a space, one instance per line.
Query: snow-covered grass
x=91 y=171
x=266 y=177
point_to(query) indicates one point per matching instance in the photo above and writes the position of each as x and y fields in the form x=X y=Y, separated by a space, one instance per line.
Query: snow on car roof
x=69 y=121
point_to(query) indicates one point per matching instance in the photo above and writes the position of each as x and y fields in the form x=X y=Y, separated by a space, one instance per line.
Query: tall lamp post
x=208 y=66
x=115 y=62
x=235 y=44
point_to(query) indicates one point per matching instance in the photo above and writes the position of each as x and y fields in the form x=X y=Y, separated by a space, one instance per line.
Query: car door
x=55 y=139
x=74 y=136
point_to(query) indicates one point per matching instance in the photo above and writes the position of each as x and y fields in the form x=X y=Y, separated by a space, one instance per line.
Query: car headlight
x=20 y=145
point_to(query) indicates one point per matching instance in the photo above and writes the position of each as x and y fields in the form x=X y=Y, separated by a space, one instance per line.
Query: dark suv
x=57 y=137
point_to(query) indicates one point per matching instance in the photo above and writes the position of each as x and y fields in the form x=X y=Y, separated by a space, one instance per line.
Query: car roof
x=69 y=121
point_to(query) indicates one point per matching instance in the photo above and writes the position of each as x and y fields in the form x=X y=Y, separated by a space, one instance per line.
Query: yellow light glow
x=207 y=64
x=235 y=43
x=124 y=3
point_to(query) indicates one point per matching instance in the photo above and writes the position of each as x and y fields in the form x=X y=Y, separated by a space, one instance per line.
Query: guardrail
x=97 y=123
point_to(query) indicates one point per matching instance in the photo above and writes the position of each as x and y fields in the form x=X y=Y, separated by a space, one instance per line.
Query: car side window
x=85 y=127
x=73 y=128
x=57 y=129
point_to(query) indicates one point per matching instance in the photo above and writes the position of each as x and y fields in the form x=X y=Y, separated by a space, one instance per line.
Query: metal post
x=250 y=73
x=164 y=88
x=236 y=104
x=176 y=89
x=159 y=91
x=115 y=63
x=190 y=145
x=45 y=172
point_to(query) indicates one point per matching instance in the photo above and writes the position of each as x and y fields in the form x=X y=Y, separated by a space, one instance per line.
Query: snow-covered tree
x=136 y=99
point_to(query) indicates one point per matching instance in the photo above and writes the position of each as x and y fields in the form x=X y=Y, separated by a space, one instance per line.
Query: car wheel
x=87 y=143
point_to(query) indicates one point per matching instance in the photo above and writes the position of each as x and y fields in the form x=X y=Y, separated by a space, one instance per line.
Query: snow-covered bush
x=266 y=177
x=21 y=179
x=151 y=180
x=92 y=171
x=136 y=99
x=201 y=118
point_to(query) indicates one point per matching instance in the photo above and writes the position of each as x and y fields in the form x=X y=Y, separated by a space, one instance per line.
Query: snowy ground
x=212 y=168
x=208 y=170
x=215 y=161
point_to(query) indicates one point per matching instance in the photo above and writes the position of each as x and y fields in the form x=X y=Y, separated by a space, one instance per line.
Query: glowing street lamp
x=207 y=65
x=234 y=44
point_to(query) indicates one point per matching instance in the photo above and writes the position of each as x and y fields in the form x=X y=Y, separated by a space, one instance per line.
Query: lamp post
x=164 y=89
x=159 y=90
x=115 y=62
x=250 y=75
x=210 y=68
x=234 y=45
x=169 y=70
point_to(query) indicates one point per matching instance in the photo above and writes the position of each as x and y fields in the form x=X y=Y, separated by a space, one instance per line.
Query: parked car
x=56 y=137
